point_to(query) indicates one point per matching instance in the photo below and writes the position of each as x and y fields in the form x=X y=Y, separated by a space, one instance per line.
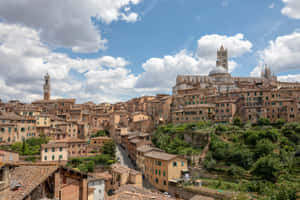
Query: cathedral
x=219 y=97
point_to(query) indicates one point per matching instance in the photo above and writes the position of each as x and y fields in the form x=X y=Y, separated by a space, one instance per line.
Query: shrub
x=267 y=168
x=237 y=121
x=263 y=121
x=263 y=148
x=236 y=171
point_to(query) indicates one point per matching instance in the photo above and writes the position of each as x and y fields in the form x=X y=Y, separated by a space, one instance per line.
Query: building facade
x=219 y=97
x=54 y=152
x=161 y=168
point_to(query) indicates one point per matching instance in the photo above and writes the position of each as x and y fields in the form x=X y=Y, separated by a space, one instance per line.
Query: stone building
x=54 y=152
x=15 y=128
x=136 y=193
x=141 y=151
x=161 y=168
x=219 y=97
x=8 y=156
x=122 y=175
x=42 y=181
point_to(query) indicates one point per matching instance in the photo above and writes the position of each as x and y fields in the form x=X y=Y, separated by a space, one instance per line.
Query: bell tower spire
x=47 y=87
x=222 y=58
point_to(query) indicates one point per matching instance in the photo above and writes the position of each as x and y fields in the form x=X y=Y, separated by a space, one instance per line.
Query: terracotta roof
x=11 y=116
x=103 y=175
x=160 y=155
x=101 y=138
x=123 y=169
x=50 y=145
x=147 y=148
x=55 y=101
x=200 y=197
x=135 y=141
x=29 y=177
x=75 y=140
x=136 y=193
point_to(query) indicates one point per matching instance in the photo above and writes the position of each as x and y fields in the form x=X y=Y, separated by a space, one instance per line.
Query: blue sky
x=167 y=26
x=111 y=51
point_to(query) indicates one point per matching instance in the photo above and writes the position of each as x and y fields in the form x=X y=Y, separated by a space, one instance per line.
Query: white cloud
x=68 y=23
x=160 y=73
x=281 y=55
x=291 y=8
x=290 y=78
x=237 y=45
x=25 y=60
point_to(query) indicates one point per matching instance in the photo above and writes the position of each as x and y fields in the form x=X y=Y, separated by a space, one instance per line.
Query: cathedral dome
x=218 y=70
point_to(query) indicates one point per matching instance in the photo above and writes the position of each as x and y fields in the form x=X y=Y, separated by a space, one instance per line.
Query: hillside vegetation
x=262 y=158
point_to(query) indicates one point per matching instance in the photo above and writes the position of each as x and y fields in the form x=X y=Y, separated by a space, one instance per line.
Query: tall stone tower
x=222 y=58
x=47 y=87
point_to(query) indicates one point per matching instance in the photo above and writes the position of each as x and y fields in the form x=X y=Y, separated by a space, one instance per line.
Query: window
x=22 y=129
x=182 y=163
x=158 y=163
x=9 y=129
x=175 y=164
x=60 y=149
x=156 y=171
x=60 y=157
x=45 y=158
x=53 y=149
x=159 y=172
x=165 y=182
x=46 y=150
x=2 y=129
x=164 y=173
x=156 y=180
x=53 y=157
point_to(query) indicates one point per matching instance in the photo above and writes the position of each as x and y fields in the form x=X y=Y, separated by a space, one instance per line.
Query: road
x=124 y=160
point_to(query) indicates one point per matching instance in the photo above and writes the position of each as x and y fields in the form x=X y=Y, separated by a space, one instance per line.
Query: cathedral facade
x=219 y=97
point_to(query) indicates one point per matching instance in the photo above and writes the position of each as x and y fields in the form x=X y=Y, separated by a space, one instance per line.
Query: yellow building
x=54 y=152
x=160 y=168
x=43 y=121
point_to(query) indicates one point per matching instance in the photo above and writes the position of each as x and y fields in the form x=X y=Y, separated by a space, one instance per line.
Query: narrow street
x=123 y=156
x=125 y=160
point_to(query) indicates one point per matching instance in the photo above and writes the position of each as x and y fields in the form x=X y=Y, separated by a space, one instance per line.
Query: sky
x=114 y=50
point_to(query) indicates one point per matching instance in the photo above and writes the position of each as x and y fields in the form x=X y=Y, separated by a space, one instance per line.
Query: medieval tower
x=47 y=87
x=222 y=58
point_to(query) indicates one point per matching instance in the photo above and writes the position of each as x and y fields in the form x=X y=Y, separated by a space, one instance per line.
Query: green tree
x=83 y=168
x=237 y=121
x=267 y=168
x=90 y=165
x=100 y=133
x=109 y=148
x=263 y=121
x=263 y=148
x=17 y=147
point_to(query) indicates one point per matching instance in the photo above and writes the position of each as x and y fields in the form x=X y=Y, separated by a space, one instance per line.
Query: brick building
x=219 y=97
